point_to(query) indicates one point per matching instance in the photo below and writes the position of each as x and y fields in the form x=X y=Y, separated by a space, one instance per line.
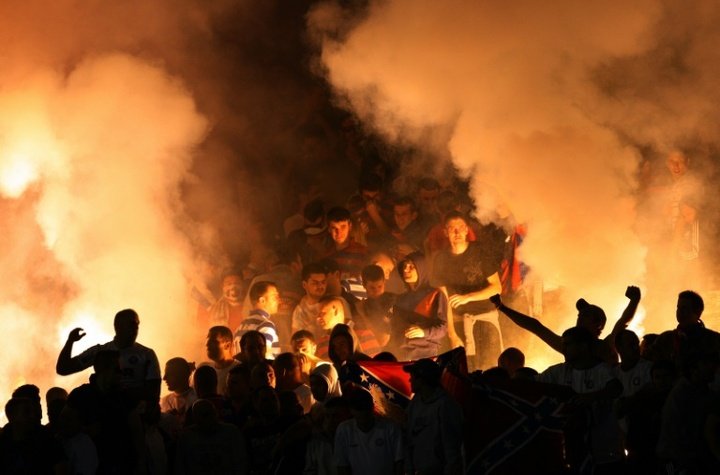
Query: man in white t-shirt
x=140 y=369
x=633 y=371
x=368 y=443
x=596 y=386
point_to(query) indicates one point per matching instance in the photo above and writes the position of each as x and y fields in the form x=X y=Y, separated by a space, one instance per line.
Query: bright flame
x=108 y=145
x=15 y=176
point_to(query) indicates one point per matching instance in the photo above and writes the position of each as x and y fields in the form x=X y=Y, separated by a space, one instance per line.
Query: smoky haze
x=140 y=143
x=552 y=110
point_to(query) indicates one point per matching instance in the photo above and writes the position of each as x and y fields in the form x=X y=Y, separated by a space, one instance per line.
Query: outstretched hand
x=633 y=293
x=496 y=300
x=76 y=335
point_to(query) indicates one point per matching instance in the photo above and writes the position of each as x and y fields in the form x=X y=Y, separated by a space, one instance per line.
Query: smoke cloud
x=552 y=108
x=141 y=142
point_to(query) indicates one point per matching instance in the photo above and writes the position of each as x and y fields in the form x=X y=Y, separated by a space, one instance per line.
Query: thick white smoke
x=510 y=78
x=97 y=157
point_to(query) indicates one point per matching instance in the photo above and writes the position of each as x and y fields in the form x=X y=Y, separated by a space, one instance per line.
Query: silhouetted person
x=591 y=317
x=253 y=349
x=140 y=369
x=511 y=359
x=210 y=446
x=596 y=386
x=434 y=426
x=368 y=443
x=690 y=337
x=110 y=416
x=25 y=445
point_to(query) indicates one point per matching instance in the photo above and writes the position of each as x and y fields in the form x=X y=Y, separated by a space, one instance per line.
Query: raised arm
x=632 y=293
x=66 y=364
x=530 y=324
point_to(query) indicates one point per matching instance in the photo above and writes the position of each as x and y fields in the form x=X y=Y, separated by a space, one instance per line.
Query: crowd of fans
x=384 y=278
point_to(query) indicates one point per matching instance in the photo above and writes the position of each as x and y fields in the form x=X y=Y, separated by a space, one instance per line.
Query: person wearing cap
x=591 y=317
x=434 y=423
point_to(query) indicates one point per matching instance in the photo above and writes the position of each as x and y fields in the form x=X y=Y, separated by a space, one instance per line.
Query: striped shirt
x=259 y=320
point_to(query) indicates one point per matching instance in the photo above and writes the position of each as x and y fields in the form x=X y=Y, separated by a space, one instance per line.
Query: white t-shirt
x=634 y=379
x=605 y=438
x=373 y=452
x=178 y=403
x=222 y=374
x=138 y=363
x=580 y=380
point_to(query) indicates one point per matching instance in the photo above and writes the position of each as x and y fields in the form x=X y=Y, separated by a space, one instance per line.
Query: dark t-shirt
x=467 y=272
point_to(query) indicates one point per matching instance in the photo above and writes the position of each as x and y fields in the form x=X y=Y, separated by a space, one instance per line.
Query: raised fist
x=496 y=300
x=633 y=293
x=76 y=334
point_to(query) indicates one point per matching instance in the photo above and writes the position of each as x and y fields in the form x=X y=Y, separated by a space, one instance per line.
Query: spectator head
x=677 y=163
x=339 y=224
x=663 y=374
x=360 y=401
x=511 y=360
x=384 y=261
x=219 y=344
x=526 y=374
x=31 y=393
x=331 y=313
x=127 y=324
x=647 y=341
x=409 y=271
x=385 y=356
x=690 y=307
x=428 y=191
x=333 y=285
x=288 y=371
x=373 y=279
x=253 y=348
x=303 y=341
x=341 y=344
x=324 y=382
x=265 y=296
x=232 y=287
x=238 y=383
x=22 y=414
x=314 y=280
x=456 y=228
x=177 y=374
x=424 y=374
x=627 y=345
x=590 y=317
x=447 y=201
x=314 y=217
x=262 y=374
x=404 y=212
x=370 y=187
x=495 y=376
x=205 y=381
x=577 y=344
x=55 y=400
